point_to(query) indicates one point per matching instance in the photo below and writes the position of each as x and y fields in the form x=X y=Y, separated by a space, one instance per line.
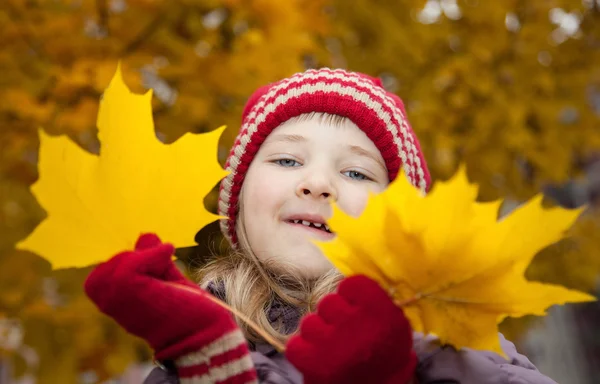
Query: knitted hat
x=360 y=98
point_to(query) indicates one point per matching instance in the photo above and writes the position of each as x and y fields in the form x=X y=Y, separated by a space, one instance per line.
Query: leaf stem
x=280 y=347
x=405 y=302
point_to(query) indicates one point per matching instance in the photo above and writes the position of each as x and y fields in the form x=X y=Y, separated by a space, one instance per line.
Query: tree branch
x=144 y=35
x=102 y=10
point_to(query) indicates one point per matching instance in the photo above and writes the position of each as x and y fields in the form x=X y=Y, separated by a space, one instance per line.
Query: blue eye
x=355 y=175
x=288 y=163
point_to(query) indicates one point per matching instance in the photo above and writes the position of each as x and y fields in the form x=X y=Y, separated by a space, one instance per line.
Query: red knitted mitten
x=357 y=335
x=147 y=295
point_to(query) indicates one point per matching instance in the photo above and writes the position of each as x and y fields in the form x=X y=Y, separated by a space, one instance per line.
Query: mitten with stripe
x=149 y=297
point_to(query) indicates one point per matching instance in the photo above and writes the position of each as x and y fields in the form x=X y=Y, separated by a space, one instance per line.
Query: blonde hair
x=252 y=286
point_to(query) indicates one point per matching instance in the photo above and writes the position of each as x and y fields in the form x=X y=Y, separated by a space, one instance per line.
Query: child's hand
x=147 y=295
x=357 y=335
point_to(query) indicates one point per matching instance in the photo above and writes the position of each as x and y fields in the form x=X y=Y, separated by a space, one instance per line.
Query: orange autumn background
x=511 y=88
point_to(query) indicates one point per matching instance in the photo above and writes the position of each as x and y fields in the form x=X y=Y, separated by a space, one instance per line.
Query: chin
x=306 y=260
x=314 y=265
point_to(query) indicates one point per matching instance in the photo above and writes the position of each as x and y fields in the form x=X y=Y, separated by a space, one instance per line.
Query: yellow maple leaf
x=456 y=269
x=99 y=205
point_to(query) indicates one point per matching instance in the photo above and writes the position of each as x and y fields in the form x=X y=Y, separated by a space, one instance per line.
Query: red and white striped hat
x=358 y=97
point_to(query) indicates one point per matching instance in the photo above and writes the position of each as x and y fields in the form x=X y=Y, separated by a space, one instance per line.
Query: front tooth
x=326 y=227
x=304 y=222
x=296 y=221
x=318 y=225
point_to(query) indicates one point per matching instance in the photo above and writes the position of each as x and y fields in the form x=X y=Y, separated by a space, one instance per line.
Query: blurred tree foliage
x=510 y=87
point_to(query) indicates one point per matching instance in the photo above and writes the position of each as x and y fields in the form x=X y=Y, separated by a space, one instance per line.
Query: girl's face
x=301 y=166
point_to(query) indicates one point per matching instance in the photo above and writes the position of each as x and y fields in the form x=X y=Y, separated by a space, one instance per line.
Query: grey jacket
x=437 y=365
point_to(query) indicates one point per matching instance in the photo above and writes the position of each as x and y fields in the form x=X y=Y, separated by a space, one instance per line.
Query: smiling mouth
x=310 y=224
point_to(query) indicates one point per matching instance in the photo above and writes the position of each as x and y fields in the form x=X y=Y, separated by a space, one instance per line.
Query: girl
x=318 y=136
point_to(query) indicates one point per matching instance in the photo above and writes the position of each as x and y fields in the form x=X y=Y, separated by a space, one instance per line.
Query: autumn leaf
x=99 y=205
x=456 y=269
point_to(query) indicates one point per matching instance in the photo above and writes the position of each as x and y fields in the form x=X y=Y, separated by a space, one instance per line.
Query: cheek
x=262 y=195
x=260 y=191
x=353 y=200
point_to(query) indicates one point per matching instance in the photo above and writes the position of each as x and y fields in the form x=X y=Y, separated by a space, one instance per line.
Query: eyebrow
x=286 y=138
x=363 y=152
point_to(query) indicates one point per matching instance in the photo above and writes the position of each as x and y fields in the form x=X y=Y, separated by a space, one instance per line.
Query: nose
x=317 y=186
